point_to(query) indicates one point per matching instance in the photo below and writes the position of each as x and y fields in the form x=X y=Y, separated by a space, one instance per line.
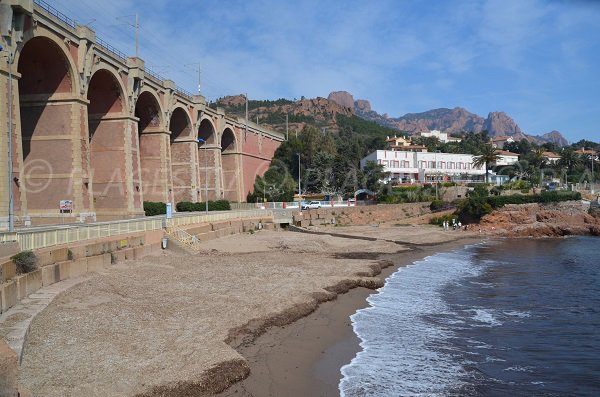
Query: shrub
x=154 y=208
x=439 y=220
x=219 y=205
x=473 y=208
x=436 y=205
x=25 y=262
x=448 y=184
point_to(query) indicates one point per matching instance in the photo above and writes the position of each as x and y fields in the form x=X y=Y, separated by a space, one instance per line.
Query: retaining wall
x=360 y=215
x=62 y=263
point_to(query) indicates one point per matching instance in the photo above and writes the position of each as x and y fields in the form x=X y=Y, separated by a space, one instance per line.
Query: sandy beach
x=187 y=325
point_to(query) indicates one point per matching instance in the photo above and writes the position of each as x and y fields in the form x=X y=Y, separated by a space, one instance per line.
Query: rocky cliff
x=446 y=120
x=342 y=98
x=541 y=220
x=499 y=123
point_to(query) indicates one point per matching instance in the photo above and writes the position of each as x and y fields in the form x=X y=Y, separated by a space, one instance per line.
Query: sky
x=538 y=61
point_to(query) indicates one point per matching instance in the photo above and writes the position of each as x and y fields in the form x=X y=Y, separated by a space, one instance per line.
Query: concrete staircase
x=187 y=240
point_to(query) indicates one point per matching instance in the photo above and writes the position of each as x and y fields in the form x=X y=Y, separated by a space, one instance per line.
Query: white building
x=506 y=157
x=421 y=167
x=441 y=136
x=551 y=157
x=500 y=141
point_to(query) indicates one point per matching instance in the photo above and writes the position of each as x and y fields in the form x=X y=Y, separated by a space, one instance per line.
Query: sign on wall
x=66 y=206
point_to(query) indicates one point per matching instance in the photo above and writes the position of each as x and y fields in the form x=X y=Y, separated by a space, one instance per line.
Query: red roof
x=551 y=155
x=589 y=151
x=501 y=138
x=506 y=153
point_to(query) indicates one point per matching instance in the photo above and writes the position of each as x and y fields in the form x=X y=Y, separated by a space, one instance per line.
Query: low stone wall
x=62 y=263
x=213 y=230
x=360 y=215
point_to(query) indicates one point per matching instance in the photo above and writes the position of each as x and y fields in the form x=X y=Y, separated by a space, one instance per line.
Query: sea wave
x=403 y=352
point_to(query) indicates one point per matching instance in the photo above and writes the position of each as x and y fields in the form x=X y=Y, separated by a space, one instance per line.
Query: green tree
x=486 y=157
x=373 y=175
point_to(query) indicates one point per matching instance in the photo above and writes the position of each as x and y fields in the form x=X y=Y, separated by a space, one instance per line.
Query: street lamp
x=299 y=186
x=200 y=140
x=11 y=220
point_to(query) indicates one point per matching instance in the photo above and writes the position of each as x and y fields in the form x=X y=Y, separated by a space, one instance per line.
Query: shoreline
x=147 y=312
x=304 y=358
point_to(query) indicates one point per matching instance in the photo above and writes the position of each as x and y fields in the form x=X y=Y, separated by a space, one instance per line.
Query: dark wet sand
x=304 y=358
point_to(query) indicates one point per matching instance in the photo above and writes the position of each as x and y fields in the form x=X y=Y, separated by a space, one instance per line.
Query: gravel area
x=160 y=326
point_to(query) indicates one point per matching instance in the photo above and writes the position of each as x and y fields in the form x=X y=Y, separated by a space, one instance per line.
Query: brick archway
x=112 y=158
x=183 y=156
x=52 y=168
x=153 y=147
x=229 y=165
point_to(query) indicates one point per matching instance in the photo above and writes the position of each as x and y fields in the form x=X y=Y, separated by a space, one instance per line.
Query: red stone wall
x=109 y=184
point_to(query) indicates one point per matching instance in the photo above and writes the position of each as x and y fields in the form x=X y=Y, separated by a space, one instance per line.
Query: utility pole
x=299 y=185
x=246 y=133
x=137 y=36
x=137 y=30
x=11 y=215
x=287 y=131
x=199 y=77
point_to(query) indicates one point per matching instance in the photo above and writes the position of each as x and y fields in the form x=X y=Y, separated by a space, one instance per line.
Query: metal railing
x=57 y=235
x=183 y=92
x=103 y=44
x=198 y=217
x=154 y=75
x=55 y=13
x=183 y=237
x=35 y=239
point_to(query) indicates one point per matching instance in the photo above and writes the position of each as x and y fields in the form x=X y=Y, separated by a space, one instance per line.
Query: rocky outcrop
x=499 y=124
x=362 y=105
x=342 y=98
x=541 y=220
x=555 y=137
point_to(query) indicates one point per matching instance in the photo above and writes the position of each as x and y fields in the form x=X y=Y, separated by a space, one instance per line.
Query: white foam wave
x=485 y=317
x=402 y=353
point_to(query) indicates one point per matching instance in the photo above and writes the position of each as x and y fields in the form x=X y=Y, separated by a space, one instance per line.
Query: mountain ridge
x=454 y=120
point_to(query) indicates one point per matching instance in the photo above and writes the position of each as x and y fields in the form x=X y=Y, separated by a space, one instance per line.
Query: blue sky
x=539 y=61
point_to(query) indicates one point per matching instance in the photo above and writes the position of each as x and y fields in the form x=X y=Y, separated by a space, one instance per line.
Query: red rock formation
x=499 y=124
x=541 y=220
x=362 y=105
x=342 y=98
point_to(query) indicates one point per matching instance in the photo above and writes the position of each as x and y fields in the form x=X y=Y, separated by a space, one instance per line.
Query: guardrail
x=159 y=79
x=103 y=44
x=55 y=13
x=295 y=205
x=183 y=92
x=47 y=237
x=36 y=239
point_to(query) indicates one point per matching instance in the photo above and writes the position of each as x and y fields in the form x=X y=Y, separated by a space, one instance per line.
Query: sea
x=501 y=318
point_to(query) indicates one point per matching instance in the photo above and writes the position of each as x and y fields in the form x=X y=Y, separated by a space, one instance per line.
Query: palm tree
x=486 y=157
x=568 y=160
x=539 y=160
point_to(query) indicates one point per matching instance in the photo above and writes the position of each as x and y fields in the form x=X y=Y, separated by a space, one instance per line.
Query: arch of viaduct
x=94 y=126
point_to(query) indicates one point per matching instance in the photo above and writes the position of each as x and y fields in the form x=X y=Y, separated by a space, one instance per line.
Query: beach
x=184 y=325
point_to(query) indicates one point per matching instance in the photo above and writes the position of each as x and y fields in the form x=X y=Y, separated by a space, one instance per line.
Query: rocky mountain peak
x=342 y=98
x=555 y=137
x=362 y=105
x=499 y=124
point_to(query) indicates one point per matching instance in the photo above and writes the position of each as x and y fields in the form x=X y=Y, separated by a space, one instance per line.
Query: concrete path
x=14 y=323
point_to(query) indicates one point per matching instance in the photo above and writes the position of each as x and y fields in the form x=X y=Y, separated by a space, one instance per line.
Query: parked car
x=311 y=205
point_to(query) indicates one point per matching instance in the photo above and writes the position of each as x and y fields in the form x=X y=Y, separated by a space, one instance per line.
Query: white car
x=311 y=205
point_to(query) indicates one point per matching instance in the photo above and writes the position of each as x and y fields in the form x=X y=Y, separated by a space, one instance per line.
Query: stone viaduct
x=91 y=125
